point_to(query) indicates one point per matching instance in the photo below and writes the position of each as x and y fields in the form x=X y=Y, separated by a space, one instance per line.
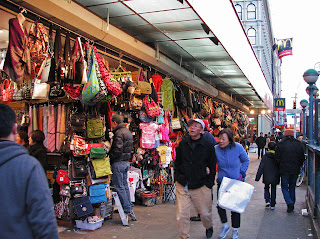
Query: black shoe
x=195 y=218
x=290 y=208
x=209 y=232
x=132 y=216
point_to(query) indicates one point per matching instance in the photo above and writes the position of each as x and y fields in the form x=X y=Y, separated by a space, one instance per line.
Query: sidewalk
x=257 y=222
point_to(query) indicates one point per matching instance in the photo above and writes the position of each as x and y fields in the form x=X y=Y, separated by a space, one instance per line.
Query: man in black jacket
x=194 y=173
x=290 y=153
x=120 y=154
x=261 y=142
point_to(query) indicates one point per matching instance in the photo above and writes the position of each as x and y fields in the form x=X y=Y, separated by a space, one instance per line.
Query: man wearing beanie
x=290 y=154
x=120 y=154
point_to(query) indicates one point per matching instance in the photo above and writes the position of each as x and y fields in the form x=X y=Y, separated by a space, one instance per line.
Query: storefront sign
x=279 y=104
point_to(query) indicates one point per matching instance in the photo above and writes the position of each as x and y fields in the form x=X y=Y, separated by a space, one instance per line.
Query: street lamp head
x=304 y=103
x=314 y=89
x=310 y=76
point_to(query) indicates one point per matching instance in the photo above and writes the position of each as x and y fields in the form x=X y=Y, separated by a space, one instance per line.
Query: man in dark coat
x=120 y=154
x=194 y=173
x=26 y=206
x=290 y=154
x=261 y=142
x=269 y=168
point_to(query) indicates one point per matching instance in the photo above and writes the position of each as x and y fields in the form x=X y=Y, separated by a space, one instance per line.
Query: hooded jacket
x=39 y=152
x=269 y=168
x=290 y=153
x=122 y=144
x=26 y=203
x=190 y=164
x=233 y=161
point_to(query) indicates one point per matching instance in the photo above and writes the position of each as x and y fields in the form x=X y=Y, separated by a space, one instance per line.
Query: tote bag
x=234 y=195
x=91 y=88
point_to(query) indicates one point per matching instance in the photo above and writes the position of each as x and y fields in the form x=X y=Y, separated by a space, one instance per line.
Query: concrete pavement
x=257 y=222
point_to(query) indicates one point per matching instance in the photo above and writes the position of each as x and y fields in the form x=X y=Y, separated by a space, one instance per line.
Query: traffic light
x=294 y=104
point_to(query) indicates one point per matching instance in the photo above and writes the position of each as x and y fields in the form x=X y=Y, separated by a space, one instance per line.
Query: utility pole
x=295 y=113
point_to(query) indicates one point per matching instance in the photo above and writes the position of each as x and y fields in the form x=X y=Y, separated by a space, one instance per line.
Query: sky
x=301 y=21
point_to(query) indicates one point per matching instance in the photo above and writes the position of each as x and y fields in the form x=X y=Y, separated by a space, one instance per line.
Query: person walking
x=233 y=162
x=261 y=142
x=267 y=143
x=26 y=204
x=269 y=168
x=206 y=134
x=120 y=154
x=37 y=149
x=194 y=174
x=290 y=154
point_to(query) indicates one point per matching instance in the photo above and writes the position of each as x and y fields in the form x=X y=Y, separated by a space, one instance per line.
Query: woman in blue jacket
x=233 y=162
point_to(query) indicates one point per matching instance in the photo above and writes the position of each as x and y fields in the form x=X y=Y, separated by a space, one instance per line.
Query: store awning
x=186 y=39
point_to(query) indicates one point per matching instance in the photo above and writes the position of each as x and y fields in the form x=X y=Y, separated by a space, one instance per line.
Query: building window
x=239 y=10
x=251 y=11
x=252 y=35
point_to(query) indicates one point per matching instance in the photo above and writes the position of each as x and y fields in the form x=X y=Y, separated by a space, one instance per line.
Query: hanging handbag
x=78 y=167
x=46 y=69
x=80 y=65
x=74 y=92
x=82 y=206
x=61 y=209
x=143 y=86
x=62 y=177
x=101 y=167
x=7 y=91
x=95 y=128
x=234 y=195
x=96 y=150
x=97 y=193
x=152 y=109
x=65 y=190
x=78 y=146
x=91 y=88
x=40 y=90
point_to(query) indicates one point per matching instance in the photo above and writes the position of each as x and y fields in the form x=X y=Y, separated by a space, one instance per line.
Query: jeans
x=288 y=187
x=272 y=199
x=119 y=179
x=235 y=217
x=260 y=152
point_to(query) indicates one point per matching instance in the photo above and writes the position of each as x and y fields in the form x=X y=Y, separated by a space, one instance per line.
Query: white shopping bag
x=234 y=195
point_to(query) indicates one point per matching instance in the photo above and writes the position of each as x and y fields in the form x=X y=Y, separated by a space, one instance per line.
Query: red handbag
x=62 y=177
x=73 y=91
x=7 y=91
x=152 y=108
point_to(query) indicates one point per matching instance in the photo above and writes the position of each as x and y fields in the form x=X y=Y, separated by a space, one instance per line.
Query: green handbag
x=95 y=128
x=97 y=152
x=102 y=167
x=91 y=88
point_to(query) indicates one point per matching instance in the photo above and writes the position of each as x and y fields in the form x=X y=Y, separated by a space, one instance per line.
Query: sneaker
x=224 y=231
x=235 y=233
x=132 y=216
x=196 y=218
x=290 y=208
x=268 y=204
x=209 y=232
x=272 y=208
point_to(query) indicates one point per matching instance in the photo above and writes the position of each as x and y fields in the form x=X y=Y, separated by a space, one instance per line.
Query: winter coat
x=290 y=154
x=269 y=168
x=261 y=141
x=209 y=137
x=39 y=152
x=190 y=164
x=122 y=144
x=233 y=161
x=26 y=203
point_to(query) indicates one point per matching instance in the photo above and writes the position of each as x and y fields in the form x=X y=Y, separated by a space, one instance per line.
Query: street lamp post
x=304 y=104
x=311 y=76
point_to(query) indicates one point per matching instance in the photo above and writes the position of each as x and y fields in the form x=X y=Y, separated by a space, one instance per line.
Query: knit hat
x=289 y=132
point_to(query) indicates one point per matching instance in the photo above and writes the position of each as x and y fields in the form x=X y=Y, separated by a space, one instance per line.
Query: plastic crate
x=148 y=199
x=88 y=225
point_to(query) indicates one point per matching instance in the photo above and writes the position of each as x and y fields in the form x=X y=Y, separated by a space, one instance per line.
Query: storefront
x=73 y=105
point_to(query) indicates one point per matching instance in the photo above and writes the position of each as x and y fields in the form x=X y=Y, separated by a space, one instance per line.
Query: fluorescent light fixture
x=252 y=112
